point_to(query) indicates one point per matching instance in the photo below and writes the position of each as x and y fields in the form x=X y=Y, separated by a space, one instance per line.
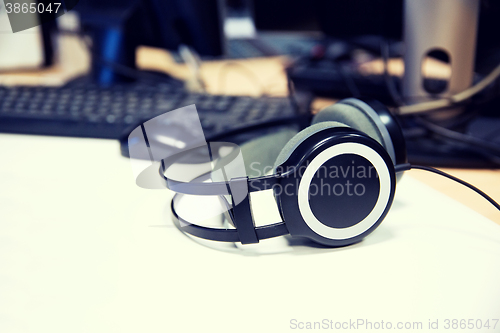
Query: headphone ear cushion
x=300 y=137
x=353 y=117
x=259 y=154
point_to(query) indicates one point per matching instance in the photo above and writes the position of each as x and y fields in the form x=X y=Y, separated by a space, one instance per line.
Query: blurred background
x=106 y=66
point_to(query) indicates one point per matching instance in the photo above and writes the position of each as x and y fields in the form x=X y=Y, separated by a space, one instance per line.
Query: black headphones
x=333 y=182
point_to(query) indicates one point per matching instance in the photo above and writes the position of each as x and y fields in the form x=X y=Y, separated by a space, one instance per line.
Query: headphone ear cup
x=360 y=115
x=352 y=117
x=300 y=137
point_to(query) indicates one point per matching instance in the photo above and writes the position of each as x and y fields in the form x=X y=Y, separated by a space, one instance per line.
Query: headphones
x=333 y=182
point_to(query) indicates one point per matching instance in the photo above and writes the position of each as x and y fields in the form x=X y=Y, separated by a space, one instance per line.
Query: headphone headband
x=212 y=188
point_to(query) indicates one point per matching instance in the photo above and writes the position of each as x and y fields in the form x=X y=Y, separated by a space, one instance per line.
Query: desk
x=83 y=249
x=254 y=77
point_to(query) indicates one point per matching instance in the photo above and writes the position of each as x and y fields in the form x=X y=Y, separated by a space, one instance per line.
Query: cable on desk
x=491 y=149
x=453 y=100
x=408 y=166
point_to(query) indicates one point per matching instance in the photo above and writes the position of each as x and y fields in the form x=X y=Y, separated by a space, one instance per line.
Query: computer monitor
x=118 y=27
x=349 y=19
x=336 y=18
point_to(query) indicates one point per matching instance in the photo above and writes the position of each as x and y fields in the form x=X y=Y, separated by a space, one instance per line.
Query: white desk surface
x=83 y=249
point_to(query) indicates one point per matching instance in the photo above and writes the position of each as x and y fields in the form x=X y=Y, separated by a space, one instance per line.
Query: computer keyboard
x=264 y=45
x=87 y=110
x=271 y=45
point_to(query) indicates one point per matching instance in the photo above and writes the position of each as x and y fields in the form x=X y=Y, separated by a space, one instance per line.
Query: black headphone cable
x=408 y=166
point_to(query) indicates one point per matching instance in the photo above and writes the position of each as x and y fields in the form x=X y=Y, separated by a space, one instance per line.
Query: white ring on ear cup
x=382 y=201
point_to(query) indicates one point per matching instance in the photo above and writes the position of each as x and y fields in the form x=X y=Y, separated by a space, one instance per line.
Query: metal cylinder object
x=448 y=29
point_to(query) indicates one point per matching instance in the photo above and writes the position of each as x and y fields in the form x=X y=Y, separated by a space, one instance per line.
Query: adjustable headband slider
x=242 y=210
